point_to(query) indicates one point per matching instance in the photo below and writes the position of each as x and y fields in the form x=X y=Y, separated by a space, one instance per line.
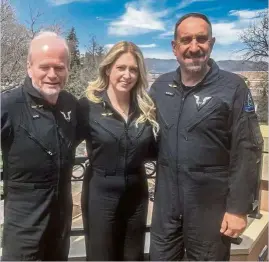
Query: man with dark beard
x=209 y=145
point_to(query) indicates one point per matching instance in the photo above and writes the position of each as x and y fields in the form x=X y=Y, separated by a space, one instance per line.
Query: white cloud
x=137 y=19
x=167 y=34
x=64 y=2
x=246 y=14
x=159 y=54
x=148 y=46
x=108 y=46
x=185 y=3
x=226 y=33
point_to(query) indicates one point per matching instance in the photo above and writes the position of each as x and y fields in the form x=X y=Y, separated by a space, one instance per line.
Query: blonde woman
x=119 y=128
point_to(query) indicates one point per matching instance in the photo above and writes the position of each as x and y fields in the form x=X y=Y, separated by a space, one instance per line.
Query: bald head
x=48 y=64
x=45 y=41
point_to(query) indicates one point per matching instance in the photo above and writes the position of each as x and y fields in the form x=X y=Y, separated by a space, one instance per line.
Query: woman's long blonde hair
x=145 y=103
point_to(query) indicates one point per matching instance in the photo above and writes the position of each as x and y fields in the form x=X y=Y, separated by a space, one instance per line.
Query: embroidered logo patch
x=200 y=102
x=67 y=116
x=169 y=93
x=249 y=103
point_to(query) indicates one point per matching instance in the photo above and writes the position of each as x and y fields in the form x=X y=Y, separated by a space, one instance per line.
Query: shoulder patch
x=249 y=103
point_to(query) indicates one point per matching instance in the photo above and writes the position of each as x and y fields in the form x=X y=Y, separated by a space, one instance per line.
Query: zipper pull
x=49 y=152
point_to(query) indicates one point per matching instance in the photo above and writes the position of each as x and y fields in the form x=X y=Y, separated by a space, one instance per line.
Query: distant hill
x=166 y=65
x=240 y=65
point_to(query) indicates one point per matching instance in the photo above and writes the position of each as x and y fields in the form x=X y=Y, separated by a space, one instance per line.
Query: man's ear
x=173 y=44
x=213 y=40
x=29 y=69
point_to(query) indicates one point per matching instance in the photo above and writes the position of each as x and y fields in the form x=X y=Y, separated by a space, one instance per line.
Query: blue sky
x=147 y=23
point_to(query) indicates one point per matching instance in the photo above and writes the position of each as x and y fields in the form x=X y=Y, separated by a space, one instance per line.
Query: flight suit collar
x=211 y=76
x=36 y=96
x=133 y=106
x=28 y=86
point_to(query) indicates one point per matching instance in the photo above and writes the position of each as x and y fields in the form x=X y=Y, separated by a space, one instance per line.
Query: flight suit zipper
x=58 y=156
x=183 y=98
x=32 y=137
x=177 y=183
x=126 y=123
x=125 y=152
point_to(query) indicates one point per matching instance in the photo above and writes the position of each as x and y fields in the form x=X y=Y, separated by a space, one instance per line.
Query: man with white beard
x=209 y=145
x=38 y=129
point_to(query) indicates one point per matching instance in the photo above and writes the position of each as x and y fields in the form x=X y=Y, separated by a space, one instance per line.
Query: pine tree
x=72 y=41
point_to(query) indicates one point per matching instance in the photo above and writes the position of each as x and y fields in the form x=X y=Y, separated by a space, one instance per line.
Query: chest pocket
x=28 y=134
x=167 y=109
x=38 y=141
x=166 y=118
x=104 y=132
x=214 y=114
x=141 y=134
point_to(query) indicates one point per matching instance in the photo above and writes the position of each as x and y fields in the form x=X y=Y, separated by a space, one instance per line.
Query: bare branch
x=34 y=17
x=255 y=38
x=15 y=39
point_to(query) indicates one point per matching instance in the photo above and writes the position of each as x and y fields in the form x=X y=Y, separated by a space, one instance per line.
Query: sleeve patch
x=249 y=103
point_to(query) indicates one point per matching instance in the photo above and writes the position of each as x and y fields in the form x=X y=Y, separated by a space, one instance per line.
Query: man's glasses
x=200 y=39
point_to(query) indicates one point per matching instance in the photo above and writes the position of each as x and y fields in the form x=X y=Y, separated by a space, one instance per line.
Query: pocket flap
x=201 y=115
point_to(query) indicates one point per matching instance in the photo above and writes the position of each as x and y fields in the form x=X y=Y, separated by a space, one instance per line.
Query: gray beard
x=195 y=67
x=51 y=98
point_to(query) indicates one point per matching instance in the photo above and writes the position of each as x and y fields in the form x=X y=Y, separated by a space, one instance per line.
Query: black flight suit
x=115 y=187
x=37 y=144
x=209 y=145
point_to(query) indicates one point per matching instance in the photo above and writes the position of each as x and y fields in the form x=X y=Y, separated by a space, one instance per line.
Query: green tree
x=81 y=75
x=73 y=43
x=93 y=56
x=75 y=86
